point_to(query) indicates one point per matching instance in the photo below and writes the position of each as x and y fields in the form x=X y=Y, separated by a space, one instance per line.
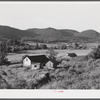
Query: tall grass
x=77 y=73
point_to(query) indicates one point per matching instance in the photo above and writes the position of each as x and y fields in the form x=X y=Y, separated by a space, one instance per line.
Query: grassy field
x=17 y=57
x=75 y=73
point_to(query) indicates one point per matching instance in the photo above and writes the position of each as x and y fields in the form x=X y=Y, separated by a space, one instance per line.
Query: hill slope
x=89 y=34
x=49 y=34
x=13 y=33
x=65 y=35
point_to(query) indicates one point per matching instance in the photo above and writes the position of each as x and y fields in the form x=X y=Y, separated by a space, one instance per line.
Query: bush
x=62 y=46
x=95 y=54
x=3 y=52
x=37 y=46
x=43 y=46
x=52 y=53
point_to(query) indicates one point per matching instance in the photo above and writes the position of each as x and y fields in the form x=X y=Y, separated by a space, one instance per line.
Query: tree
x=3 y=52
x=52 y=53
x=37 y=46
x=52 y=57
x=95 y=54
x=43 y=46
x=76 y=45
x=62 y=46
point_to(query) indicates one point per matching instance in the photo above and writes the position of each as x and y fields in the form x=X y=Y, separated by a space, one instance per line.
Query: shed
x=71 y=54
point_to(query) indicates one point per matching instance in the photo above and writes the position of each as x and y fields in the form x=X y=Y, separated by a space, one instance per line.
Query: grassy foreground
x=77 y=73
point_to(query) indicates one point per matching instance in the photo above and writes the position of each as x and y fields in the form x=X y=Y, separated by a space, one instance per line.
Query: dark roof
x=72 y=54
x=38 y=58
x=53 y=60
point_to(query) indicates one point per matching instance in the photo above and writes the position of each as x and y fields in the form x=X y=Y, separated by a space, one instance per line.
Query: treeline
x=18 y=45
x=62 y=46
x=12 y=46
x=15 y=46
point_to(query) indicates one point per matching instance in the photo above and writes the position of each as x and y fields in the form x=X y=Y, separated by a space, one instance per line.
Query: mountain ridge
x=49 y=34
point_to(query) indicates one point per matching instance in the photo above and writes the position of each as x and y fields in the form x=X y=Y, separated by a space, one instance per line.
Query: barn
x=38 y=62
x=71 y=54
x=35 y=62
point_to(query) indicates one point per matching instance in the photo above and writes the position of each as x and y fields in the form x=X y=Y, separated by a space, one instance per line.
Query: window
x=43 y=64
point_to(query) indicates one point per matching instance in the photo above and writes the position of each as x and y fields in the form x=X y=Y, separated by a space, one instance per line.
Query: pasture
x=75 y=73
x=17 y=57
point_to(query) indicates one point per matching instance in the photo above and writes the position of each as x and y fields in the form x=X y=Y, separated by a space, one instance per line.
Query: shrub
x=3 y=52
x=62 y=46
x=95 y=54
x=43 y=46
x=37 y=46
x=52 y=53
x=3 y=83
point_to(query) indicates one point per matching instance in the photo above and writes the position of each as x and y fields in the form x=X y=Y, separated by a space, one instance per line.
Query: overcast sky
x=62 y=15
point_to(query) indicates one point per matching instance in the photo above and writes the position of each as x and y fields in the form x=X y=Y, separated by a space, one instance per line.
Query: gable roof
x=72 y=54
x=38 y=58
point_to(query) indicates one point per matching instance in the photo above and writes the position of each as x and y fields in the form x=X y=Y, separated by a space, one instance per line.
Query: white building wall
x=49 y=65
x=26 y=62
x=35 y=66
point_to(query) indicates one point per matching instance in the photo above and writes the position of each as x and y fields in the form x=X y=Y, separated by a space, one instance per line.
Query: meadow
x=18 y=56
x=74 y=73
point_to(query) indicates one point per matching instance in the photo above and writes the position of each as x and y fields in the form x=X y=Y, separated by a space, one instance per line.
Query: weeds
x=77 y=73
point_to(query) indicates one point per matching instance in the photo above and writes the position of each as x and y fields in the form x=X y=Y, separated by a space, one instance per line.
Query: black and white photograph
x=50 y=45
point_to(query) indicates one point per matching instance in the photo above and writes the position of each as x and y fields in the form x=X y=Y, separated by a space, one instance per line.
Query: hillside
x=49 y=34
x=13 y=33
x=50 y=30
x=64 y=35
x=70 y=32
x=89 y=34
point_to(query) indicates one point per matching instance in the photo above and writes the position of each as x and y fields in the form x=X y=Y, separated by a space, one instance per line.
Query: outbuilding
x=71 y=54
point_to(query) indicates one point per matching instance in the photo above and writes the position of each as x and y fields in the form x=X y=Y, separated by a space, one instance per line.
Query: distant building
x=71 y=55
